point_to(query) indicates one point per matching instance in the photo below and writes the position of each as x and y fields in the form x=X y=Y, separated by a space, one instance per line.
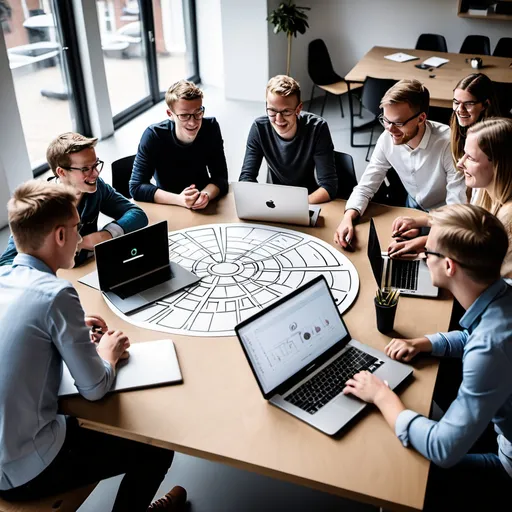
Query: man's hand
x=407 y=249
x=367 y=387
x=98 y=327
x=189 y=196
x=113 y=346
x=405 y=350
x=402 y=226
x=202 y=201
x=89 y=241
x=345 y=233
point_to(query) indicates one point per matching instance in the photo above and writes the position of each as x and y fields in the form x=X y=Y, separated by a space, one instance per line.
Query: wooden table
x=446 y=77
x=219 y=413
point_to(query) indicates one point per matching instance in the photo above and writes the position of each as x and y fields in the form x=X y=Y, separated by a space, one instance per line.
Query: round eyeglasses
x=468 y=105
x=98 y=167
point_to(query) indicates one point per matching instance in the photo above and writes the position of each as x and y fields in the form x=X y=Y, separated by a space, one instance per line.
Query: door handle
x=151 y=36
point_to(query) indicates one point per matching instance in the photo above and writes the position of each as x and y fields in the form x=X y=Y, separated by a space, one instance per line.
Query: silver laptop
x=274 y=203
x=411 y=277
x=301 y=354
x=134 y=270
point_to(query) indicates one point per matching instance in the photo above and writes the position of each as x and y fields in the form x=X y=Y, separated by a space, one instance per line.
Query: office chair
x=503 y=92
x=432 y=43
x=503 y=48
x=346 y=173
x=121 y=174
x=476 y=45
x=392 y=191
x=323 y=76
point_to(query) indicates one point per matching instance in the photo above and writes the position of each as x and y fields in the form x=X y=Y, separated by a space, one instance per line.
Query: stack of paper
x=435 y=62
x=400 y=57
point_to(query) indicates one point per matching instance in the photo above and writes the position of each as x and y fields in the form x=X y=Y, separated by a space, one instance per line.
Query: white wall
x=351 y=27
x=209 y=35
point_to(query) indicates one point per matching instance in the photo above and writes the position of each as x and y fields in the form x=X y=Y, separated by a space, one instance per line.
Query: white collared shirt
x=427 y=172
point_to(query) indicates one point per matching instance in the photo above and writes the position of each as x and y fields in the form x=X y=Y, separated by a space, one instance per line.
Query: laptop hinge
x=140 y=276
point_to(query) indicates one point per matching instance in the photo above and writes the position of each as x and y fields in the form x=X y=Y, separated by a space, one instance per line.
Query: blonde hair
x=472 y=237
x=479 y=86
x=494 y=136
x=412 y=92
x=35 y=209
x=284 y=85
x=182 y=90
x=60 y=148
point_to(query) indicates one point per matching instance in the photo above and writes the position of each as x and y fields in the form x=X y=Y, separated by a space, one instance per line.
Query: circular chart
x=243 y=268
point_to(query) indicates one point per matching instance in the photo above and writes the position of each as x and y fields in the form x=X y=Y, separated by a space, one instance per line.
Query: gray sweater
x=307 y=160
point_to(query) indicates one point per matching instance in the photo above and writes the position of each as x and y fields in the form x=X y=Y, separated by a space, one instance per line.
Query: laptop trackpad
x=157 y=292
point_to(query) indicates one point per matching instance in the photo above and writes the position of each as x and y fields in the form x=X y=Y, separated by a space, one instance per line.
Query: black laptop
x=134 y=270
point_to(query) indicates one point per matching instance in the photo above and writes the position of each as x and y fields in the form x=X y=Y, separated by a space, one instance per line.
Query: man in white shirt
x=419 y=151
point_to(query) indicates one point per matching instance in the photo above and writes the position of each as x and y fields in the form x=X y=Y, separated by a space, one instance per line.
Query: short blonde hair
x=35 y=209
x=473 y=237
x=412 y=92
x=284 y=85
x=182 y=90
x=60 y=148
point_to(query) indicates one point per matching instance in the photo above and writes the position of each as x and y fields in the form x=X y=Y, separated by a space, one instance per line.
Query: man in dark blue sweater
x=185 y=154
x=296 y=145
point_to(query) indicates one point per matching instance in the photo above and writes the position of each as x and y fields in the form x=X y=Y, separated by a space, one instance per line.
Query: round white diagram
x=243 y=268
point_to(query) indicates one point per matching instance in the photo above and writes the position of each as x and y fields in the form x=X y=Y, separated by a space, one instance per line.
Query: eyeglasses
x=385 y=122
x=426 y=252
x=98 y=166
x=287 y=112
x=468 y=105
x=186 y=117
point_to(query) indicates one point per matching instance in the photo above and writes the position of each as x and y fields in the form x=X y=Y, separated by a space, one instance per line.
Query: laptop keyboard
x=405 y=274
x=327 y=384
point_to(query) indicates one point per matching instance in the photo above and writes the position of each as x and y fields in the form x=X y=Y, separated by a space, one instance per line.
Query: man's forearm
x=320 y=195
x=390 y=406
x=212 y=190
x=164 y=197
x=89 y=241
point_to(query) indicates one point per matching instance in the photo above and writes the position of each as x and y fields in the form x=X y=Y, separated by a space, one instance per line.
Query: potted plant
x=290 y=19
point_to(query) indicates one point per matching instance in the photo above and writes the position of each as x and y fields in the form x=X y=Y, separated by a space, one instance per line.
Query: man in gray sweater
x=296 y=145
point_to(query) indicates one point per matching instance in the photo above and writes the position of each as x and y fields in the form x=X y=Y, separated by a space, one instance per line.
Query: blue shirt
x=41 y=324
x=127 y=217
x=485 y=395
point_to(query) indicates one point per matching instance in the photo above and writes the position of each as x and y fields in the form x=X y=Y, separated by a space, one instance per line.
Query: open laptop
x=134 y=269
x=274 y=203
x=411 y=277
x=301 y=354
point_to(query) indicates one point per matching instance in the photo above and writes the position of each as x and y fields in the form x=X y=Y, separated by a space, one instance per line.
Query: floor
x=215 y=487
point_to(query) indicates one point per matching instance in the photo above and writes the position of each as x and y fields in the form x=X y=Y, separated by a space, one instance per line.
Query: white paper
x=435 y=62
x=91 y=280
x=400 y=57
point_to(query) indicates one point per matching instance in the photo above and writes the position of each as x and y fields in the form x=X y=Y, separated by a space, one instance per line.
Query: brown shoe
x=172 y=501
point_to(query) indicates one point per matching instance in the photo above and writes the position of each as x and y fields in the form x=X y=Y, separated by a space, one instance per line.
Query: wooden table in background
x=219 y=413
x=446 y=77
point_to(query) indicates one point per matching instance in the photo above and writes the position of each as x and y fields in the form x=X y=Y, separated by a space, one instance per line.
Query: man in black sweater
x=185 y=154
x=296 y=145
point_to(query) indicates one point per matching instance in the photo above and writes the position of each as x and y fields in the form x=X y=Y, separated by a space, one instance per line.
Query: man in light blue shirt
x=465 y=250
x=43 y=324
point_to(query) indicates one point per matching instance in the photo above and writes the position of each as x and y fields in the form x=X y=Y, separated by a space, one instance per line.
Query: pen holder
x=385 y=310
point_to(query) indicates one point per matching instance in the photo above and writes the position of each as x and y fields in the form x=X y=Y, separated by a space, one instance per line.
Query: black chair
x=476 y=45
x=503 y=92
x=121 y=174
x=393 y=192
x=346 y=174
x=322 y=74
x=432 y=43
x=503 y=48
x=371 y=96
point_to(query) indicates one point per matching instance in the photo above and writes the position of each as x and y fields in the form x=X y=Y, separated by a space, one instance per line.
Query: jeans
x=478 y=482
x=89 y=456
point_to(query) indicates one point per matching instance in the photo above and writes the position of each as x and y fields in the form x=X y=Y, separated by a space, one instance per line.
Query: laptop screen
x=132 y=255
x=291 y=335
x=374 y=253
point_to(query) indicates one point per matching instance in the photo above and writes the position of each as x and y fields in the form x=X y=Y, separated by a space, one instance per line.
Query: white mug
x=476 y=62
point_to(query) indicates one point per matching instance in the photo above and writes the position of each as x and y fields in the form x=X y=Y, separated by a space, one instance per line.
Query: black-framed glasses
x=98 y=167
x=196 y=115
x=287 y=112
x=428 y=253
x=385 y=122
x=468 y=105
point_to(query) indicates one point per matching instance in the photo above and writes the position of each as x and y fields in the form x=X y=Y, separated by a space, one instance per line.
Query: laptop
x=301 y=353
x=152 y=363
x=274 y=203
x=134 y=270
x=411 y=277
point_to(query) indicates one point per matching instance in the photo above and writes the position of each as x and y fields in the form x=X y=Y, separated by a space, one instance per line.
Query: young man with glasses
x=185 y=154
x=465 y=251
x=296 y=145
x=43 y=325
x=72 y=158
x=418 y=150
